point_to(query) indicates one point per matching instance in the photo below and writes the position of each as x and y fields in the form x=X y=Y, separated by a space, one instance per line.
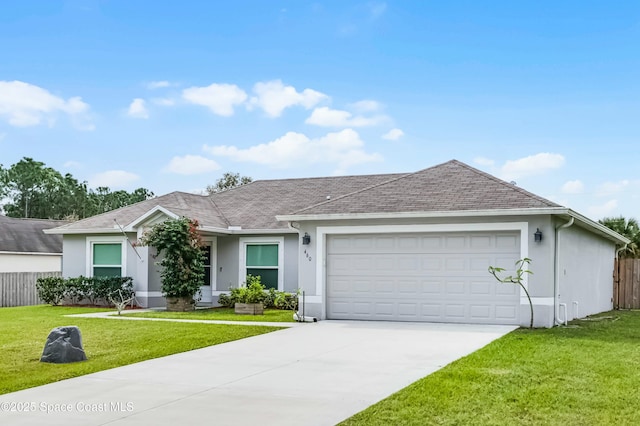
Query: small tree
x=183 y=262
x=228 y=181
x=518 y=278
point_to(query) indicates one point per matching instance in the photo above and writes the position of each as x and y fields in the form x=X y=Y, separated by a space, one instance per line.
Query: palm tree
x=630 y=229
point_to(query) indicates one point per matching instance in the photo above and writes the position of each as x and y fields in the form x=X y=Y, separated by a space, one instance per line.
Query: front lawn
x=107 y=343
x=223 y=314
x=585 y=374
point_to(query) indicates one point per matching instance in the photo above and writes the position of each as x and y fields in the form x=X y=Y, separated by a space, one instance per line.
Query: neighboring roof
x=27 y=236
x=451 y=188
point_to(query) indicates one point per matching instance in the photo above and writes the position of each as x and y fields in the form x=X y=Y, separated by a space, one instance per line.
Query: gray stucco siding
x=228 y=261
x=228 y=258
x=74 y=256
x=585 y=271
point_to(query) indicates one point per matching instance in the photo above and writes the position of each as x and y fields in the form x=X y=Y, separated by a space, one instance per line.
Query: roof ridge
x=360 y=190
x=222 y=215
x=324 y=177
x=505 y=183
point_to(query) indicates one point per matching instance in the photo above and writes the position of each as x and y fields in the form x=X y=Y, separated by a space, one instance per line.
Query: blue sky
x=170 y=95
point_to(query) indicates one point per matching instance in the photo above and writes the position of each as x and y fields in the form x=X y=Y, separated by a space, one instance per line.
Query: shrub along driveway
x=315 y=374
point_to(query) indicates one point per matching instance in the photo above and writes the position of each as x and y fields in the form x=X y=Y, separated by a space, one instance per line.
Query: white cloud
x=377 y=9
x=344 y=148
x=609 y=188
x=191 y=165
x=602 y=210
x=219 y=98
x=163 y=101
x=113 y=179
x=72 y=164
x=24 y=105
x=158 y=84
x=365 y=105
x=138 y=109
x=393 y=135
x=2 y=136
x=483 y=161
x=532 y=165
x=274 y=97
x=573 y=187
x=327 y=117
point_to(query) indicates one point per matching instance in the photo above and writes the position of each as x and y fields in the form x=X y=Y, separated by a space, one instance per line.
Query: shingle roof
x=255 y=205
x=451 y=186
x=180 y=203
x=27 y=236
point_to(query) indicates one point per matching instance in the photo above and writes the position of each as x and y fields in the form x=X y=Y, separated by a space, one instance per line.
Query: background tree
x=628 y=228
x=34 y=190
x=227 y=181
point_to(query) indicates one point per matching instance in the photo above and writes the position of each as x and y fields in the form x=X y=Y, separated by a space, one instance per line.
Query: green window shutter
x=262 y=255
x=107 y=254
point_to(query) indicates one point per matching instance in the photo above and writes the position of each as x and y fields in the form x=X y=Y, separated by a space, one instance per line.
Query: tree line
x=30 y=189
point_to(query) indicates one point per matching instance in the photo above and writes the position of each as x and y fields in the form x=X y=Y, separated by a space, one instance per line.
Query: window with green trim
x=262 y=260
x=106 y=260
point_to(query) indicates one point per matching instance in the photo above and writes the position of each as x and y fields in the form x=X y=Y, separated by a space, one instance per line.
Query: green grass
x=107 y=343
x=585 y=374
x=224 y=314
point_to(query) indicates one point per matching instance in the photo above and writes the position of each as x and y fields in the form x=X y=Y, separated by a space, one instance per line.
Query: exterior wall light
x=537 y=236
x=306 y=239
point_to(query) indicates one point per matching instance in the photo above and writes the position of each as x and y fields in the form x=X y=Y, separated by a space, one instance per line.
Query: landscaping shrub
x=51 y=289
x=95 y=290
x=254 y=292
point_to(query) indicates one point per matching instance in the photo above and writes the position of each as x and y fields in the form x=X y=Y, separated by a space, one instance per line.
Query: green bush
x=254 y=292
x=108 y=288
x=226 y=301
x=76 y=289
x=95 y=290
x=286 y=301
x=51 y=289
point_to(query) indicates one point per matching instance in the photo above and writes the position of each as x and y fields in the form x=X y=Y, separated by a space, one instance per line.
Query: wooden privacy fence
x=626 y=284
x=19 y=288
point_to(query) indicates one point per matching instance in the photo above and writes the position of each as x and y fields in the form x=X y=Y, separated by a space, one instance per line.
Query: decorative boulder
x=64 y=345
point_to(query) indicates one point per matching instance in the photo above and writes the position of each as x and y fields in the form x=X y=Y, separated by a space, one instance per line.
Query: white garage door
x=435 y=277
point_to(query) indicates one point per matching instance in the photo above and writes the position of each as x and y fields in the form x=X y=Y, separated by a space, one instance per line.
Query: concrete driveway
x=317 y=374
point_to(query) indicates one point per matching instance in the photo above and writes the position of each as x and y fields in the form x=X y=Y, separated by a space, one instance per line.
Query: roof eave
x=227 y=231
x=62 y=231
x=423 y=214
x=556 y=211
x=599 y=228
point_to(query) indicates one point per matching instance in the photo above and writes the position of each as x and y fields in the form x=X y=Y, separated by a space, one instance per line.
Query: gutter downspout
x=556 y=281
x=617 y=276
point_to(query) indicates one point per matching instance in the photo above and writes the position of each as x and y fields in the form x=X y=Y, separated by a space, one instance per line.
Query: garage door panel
x=480 y=288
x=429 y=277
x=507 y=312
x=480 y=311
x=432 y=287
